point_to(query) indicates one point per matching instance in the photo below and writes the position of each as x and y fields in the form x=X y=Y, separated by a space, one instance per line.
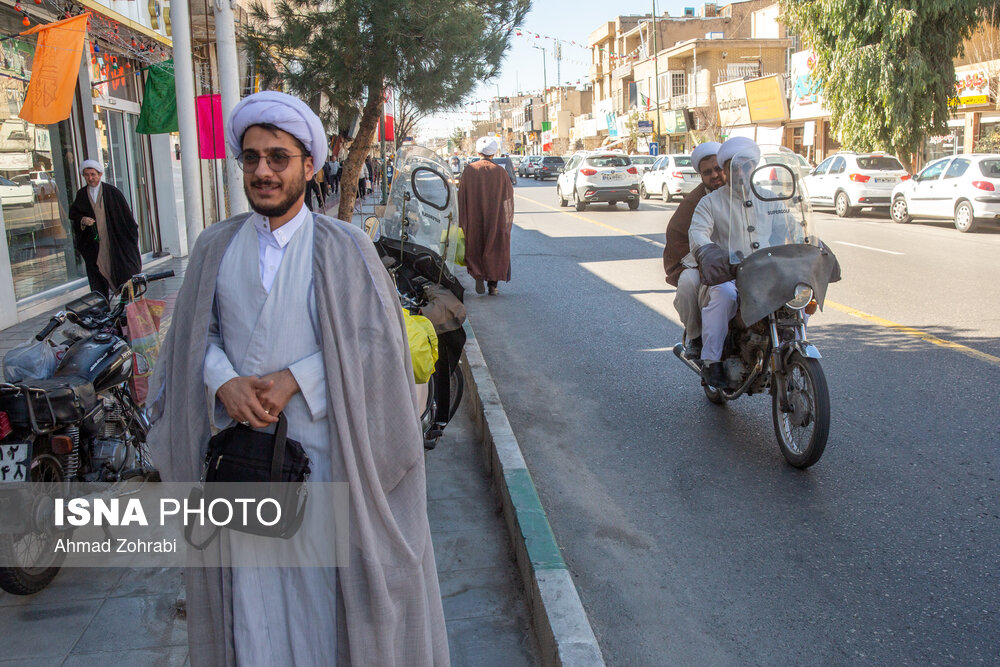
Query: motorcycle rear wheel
x=802 y=433
x=26 y=580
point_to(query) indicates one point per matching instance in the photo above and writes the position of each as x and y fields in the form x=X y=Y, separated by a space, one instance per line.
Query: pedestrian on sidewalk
x=486 y=214
x=313 y=191
x=335 y=171
x=290 y=312
x=104 y=231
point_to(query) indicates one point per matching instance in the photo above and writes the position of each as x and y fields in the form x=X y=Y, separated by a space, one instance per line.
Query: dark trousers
x=335 y=181
x=312 y=188
x=96 y=280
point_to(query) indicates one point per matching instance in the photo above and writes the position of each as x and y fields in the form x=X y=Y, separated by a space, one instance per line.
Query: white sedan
x=963 y=188
x=15 y=194
x=669 y=176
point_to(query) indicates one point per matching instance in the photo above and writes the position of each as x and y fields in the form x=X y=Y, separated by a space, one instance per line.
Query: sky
x=570 y=20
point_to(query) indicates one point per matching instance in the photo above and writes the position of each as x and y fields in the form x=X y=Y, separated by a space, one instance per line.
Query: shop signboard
x=731 y=98
x=612 y=125
x=766 y=99
x=114 y=84
x=971 y=89
x=675 y=121
x=806 y=97
x=645 y=126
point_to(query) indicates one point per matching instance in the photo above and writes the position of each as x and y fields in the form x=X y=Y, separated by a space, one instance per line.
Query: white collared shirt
x=271 y=245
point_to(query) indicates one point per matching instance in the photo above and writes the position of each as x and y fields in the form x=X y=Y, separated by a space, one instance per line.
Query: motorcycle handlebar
x=159 y=276
x=49 y=328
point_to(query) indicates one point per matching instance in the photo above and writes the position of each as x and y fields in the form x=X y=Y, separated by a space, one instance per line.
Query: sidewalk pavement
x=92 y=616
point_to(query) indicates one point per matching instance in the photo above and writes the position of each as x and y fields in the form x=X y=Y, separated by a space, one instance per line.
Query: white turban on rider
x=92 y=164
x=741 y=146
x=702 y=151
x=284 y=112
x=487 y=145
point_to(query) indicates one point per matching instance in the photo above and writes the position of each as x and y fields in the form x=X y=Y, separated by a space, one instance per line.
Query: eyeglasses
x=713 y=170
x=276 y=161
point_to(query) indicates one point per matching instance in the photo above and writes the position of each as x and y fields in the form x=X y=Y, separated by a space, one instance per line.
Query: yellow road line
x=874 y=319
x=593 y=222
x=916 y=333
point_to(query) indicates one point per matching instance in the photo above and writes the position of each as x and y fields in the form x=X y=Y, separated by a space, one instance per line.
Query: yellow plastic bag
x=455 y=239
x=423 y=346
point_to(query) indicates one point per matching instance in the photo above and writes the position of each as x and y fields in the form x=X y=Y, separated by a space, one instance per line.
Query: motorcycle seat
x=56 y=402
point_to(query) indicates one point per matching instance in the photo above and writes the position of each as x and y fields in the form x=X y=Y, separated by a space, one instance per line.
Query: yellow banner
x=55 y=70
x=766 y=99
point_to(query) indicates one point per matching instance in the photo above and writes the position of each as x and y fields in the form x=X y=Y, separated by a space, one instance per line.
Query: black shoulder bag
x=242 y=463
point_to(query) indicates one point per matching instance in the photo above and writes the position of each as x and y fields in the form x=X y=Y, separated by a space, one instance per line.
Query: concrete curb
x=559 y=620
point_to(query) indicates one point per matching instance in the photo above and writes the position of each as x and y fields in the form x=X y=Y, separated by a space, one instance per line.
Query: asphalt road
x=691 y=540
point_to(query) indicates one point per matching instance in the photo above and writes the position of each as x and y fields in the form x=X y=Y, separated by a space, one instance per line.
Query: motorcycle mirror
x=773 y=182
x=431 y=188
x=371 y=227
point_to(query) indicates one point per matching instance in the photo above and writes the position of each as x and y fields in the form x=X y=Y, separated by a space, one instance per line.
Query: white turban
x=92 y=164
x=284 y=112
x=487 y=145
x=741 y=146
x=702 y=151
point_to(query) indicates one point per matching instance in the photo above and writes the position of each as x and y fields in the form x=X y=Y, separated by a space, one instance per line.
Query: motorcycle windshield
x=770 y=206
x=423 y=203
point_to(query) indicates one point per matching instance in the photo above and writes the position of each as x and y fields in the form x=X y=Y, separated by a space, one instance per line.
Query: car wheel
x=642 y=191
x=666 y=194
x=843 y=206
x=580 y=205
x=965 y=219
x=559 y=194
x=899 y=212
x=633 y=205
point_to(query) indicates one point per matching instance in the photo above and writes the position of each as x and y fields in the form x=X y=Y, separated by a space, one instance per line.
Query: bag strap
x=280 y=440
x=194 y=496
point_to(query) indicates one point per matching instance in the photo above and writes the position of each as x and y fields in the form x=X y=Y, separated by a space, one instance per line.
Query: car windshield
x=608 y=161
x=4 y=181
x=683 y=160
x=990 y=168
x=642 y=159
x=553 y=160
x=879 y=163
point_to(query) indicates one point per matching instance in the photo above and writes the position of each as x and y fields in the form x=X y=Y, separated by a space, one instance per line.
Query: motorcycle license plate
x=15 y=459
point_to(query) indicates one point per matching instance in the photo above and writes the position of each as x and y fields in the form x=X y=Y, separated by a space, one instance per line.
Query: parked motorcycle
x=418 y=238
x=782 y=271
x=79 y=426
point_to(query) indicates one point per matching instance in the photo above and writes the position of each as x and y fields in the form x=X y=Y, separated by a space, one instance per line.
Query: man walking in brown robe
x=486 y=215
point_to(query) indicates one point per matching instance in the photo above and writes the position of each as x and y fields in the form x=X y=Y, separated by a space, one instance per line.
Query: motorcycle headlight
x=803 y=295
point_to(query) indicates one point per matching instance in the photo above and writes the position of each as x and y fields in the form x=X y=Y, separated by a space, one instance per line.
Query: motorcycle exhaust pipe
x=679 y=353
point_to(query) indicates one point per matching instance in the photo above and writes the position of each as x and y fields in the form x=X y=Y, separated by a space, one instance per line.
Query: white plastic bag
x=31 y=360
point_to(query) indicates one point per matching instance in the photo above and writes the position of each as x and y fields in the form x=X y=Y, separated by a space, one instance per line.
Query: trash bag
x=32 y=360
x=423 y=346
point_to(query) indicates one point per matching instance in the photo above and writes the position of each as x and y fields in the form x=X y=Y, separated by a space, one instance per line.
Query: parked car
x=599 y=176
x=40 y=181
x=643 y=162
x=516 y=161
x=527 y=167
x=508 y=165
x=851 y=181
x=550 y=166
x=16 y=194
x=798 y=164
x=963 y=188
x=668 y=176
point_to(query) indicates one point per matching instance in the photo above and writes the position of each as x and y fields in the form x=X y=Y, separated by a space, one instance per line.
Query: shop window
x=38 y=180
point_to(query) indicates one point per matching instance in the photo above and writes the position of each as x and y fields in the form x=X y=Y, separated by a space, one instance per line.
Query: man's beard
x=293 y=190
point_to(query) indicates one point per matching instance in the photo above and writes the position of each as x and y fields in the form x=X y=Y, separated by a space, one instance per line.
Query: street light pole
x=656 y=73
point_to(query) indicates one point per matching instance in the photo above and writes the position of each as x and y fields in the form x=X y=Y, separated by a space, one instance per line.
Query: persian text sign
x=971 y=89
x=731 y=98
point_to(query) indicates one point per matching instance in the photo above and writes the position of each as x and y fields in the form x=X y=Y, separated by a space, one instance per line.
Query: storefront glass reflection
x=37 y=180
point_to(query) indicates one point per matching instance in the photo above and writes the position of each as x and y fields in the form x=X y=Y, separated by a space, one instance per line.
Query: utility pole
x=558 y=63
x=187 y=123
x=229 y=82
x=656 y=74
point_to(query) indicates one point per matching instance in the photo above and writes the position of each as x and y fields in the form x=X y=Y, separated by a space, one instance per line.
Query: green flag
x=159 y=102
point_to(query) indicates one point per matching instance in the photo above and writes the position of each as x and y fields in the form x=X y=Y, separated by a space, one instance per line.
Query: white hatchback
x=963 y=188
x=851 y=181
x=599 y=176
x=670 y=175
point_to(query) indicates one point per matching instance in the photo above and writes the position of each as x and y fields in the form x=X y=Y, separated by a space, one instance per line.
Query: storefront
x=808 y=129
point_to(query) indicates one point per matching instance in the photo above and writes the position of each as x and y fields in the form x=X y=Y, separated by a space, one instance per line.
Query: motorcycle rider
x=713 y=218
x=678 y=262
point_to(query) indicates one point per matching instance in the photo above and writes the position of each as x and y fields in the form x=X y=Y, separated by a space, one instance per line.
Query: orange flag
x=55 y=70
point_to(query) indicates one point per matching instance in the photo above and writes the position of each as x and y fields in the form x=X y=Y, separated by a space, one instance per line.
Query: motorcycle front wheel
x=802 y=431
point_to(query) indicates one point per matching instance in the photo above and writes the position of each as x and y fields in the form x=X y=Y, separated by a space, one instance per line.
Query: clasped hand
x=258 y=400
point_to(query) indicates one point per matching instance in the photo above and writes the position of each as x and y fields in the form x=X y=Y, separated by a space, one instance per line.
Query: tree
x=341 y=54
x=458 y=139
x=886 y=67
x=407 y=117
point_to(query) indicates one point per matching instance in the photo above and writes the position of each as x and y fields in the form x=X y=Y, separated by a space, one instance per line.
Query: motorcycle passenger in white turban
x=678 y=262
x=104 y=231
x=708 y=236
x=486 y=215
x=287 y=311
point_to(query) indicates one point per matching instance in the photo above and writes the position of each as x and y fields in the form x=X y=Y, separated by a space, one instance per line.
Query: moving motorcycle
x=79 y=426
x=417 y=239
x=782 y=271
